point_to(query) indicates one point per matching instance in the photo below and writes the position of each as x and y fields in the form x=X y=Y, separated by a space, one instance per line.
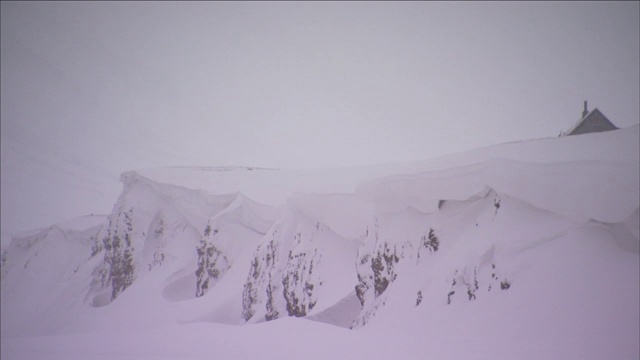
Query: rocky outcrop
x=118 y=271
x=429 y=242
x=212 y=263
x=151 y=225
x=260 y=278
x=376 y=271
x=298 y=283
x=383 y=252
x=235 y=230
x=285 y=276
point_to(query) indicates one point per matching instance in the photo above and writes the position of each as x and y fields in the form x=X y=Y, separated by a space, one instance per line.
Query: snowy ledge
x=578 y=190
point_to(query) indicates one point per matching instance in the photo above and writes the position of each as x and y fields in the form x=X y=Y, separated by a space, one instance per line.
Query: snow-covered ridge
x=374 y=248
x=576 y=190
x=275 y=186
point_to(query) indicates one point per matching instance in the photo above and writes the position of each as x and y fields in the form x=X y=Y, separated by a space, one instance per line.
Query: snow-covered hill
x=524 y=250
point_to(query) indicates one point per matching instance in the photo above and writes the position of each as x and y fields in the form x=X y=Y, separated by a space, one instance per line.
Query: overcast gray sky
x=107 y=87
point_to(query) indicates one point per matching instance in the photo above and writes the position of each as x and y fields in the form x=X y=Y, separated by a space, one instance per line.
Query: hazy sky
x=92 y=89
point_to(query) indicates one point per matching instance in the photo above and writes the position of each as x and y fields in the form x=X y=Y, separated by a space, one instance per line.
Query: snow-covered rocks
x=477 y=246
x=301 y=267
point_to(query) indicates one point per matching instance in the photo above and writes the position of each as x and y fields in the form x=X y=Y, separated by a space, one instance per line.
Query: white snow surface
x=556 y=219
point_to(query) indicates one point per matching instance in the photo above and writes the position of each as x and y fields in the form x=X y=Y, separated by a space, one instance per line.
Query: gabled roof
x=594 y=121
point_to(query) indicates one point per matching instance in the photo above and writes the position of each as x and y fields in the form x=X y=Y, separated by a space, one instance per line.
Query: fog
x=92 y=89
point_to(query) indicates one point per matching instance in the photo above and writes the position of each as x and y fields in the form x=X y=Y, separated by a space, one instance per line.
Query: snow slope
x=524 y=250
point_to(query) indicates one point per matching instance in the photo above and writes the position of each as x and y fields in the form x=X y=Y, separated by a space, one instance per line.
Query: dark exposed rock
x=505 y=285
x=429 y=242
x=298 y=290
x=375 y=271
x=250 y=291
x=361 y=288
x=259 y=273
x=383 y=272
x=118 y=269
x=284 y=285
x=272 y=312
x=212 y=263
